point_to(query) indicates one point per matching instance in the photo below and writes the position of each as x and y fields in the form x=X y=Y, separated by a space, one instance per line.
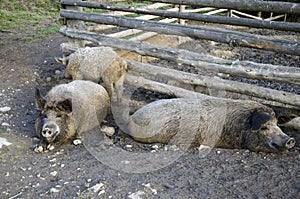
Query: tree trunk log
x=147 y=84
x=248 y=5
x=233 y=38
x=246 y=69
x=286 y=26
x=216 y=83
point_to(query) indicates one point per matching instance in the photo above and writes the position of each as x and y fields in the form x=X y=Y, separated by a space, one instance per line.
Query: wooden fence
x=121 y=16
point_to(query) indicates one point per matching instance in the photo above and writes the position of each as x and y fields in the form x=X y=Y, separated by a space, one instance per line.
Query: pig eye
x=59 y=115
x=263 y=128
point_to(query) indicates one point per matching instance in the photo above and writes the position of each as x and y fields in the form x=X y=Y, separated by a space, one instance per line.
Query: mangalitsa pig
x=97 y=64
x=217 y=123
x=68 y=110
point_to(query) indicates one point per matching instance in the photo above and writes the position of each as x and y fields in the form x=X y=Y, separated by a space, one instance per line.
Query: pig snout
x=50 y=130
x=282 y=143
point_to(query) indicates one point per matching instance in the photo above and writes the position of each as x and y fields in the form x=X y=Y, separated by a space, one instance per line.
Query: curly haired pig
x=217 y=123
x=68 y=110
x=97 y=64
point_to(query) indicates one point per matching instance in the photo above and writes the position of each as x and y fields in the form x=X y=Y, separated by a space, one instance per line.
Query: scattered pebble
x=77 y=142
x=48 y=79
x=5 y=124
x=4 y=142
x=5 y=109
x=136 y=195
x=54 y=190
x=155 y=147
x=125 y=162
x=96 y=187
x=53 y=173
x=154 y=191
x=109 y=131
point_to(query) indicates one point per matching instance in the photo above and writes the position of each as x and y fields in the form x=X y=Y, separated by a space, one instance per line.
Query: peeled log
x=246 y=69
x=217 y=83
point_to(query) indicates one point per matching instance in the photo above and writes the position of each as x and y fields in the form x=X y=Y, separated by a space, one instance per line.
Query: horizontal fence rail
x=247 y=5
x=240 y=68
x=286 y=26
x=234 y=38
x=155 y=20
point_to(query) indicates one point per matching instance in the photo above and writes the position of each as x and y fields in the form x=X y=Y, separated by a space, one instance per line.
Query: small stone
x=136 y=195
x=53 y=173
x=125 y=162
x=155 y=147
x=57 y=72
x=5 y=109
x=128 y=146
x=109 y=131
x=96 y=187
x=54 y=190
x=101 y=192
x=5 y=124
x=48 y=79
x=4 y=142
x=77 y=142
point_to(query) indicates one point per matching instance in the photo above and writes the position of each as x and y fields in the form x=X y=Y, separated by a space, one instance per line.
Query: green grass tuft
x=17 y=16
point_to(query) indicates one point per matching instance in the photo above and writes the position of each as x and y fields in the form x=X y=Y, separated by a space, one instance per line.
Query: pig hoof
x=77 y=142
x=50 y=147
x=38 y=149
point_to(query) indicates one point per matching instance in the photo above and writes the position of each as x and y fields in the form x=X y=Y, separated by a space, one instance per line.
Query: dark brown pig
x=69 y=110
x=213 y=122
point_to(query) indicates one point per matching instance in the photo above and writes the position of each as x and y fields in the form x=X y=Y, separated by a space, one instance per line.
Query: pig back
x=91 y=63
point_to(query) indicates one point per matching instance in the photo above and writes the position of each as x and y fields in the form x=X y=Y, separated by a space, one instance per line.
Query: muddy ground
x=73 y=172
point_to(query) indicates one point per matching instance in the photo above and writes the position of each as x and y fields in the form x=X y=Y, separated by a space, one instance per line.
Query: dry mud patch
x=72 y=172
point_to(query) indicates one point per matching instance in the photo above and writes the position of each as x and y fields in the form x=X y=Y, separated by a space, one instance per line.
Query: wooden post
x=76 y=24
x=181 y=9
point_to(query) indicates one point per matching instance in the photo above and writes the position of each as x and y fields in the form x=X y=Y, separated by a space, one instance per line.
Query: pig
x=67 y=111
x=97 y=64
x=220 y=123
x=292 y=128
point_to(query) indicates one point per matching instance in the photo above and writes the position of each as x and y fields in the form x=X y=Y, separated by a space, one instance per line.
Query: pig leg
x=119 y=88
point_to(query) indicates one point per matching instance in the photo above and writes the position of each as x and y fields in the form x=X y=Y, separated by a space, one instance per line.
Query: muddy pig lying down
x=68 y=110
x=97 y=64
x=212 y=122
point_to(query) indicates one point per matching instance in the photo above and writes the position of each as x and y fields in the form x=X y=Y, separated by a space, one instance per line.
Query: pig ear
x=258 y=118
x=284 y=117
x=40 y=101
x=63 y=60
x=65 y=105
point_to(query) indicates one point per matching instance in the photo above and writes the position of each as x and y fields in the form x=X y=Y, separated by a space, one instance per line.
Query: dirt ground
x=73 y=172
